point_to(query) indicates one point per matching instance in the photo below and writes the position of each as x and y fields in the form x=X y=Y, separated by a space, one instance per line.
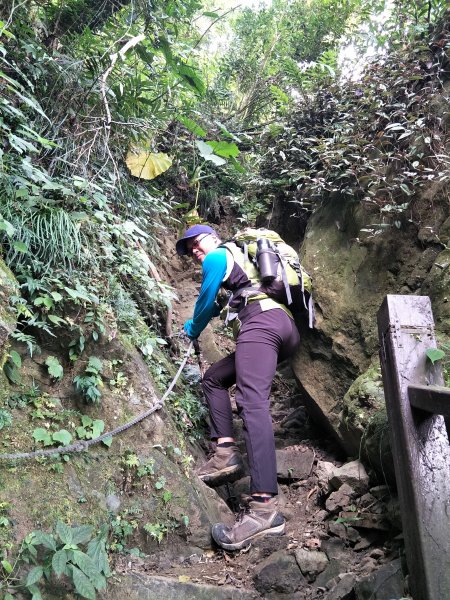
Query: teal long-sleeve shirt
x=214 y=268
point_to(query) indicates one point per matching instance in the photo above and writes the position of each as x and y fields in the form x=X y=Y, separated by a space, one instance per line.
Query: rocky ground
x=342 y=538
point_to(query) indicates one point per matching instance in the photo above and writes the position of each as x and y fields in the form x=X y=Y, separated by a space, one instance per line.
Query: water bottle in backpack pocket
x=267 y=260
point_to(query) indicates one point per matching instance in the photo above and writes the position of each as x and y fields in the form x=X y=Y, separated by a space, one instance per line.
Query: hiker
x=267 y=335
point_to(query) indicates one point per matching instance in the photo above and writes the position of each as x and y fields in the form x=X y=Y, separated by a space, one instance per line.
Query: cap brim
x=181 y=246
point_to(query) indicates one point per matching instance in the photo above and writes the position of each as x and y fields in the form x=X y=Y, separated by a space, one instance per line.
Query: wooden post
x=419 y=443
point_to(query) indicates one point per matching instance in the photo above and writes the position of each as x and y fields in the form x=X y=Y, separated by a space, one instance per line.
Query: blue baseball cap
x=190 y=233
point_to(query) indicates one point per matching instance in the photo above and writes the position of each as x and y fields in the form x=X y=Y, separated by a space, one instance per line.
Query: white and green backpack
x=288 y=283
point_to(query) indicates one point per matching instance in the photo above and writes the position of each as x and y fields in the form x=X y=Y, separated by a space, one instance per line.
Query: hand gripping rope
x=84 y=444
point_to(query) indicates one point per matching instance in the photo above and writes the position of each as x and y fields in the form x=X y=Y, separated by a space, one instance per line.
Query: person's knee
x=210 y=379
x=220 y=375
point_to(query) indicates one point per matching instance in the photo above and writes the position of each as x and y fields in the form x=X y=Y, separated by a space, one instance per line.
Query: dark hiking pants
x=265 y=338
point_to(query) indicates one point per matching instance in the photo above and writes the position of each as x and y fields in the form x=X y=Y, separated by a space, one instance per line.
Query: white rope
x=80 y=446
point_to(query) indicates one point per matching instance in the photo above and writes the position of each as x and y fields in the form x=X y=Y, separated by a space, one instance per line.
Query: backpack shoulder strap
x=237 y=250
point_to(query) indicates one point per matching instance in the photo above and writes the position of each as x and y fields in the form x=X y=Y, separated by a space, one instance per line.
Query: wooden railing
x=416 y=405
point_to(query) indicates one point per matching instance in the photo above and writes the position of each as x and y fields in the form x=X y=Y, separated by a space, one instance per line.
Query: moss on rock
x=364 y=420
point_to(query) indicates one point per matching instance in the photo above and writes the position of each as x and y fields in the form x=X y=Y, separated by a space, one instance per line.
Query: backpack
x=274 y=268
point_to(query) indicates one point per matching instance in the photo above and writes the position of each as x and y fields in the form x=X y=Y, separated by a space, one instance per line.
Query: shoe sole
x=278 y=530
x=228 y=474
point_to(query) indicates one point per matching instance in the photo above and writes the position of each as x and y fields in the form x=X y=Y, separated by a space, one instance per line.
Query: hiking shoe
x=255 y=520
x=224 y=465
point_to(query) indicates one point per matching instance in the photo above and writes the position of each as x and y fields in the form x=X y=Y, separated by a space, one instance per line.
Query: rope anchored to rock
x=83 y=445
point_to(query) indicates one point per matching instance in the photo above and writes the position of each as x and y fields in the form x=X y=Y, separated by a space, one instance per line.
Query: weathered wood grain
x=432 y=398
x=419 y=442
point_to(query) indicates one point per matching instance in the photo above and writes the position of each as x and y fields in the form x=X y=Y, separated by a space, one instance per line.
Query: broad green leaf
x=82 y=534
x=204 y=148
x=147 y=165
x=164 y=46
x=64 y=532
x=99 y=582
x=59 y=561
x=97 y=428
x=78 y=294
x=15 y=358
x=35 y=591
x=144 y=53
x=86 y=564
x=6 y=227
x=107 y=441
x=12 y=373
x=81 y=433
x=96 y=550
x=57 y=297
x=434 y=354
x=131 y=228
x=7 y=566
x=55 y=369
x=95 y=364
x=45 y=539
x=237 y=165
x=225 y=149
x=62 y=436
x=206 y=152
x=192 y=78
x=192 y=126
x=213 y=15
x=55 y=319
x=43 y=300
x=20 y=247
x=34 y=575
x=86 y=420
x=82 y=584
x=42 y=435
x=216 y=160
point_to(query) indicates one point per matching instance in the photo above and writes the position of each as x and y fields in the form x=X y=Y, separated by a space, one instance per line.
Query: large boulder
x=337 y=365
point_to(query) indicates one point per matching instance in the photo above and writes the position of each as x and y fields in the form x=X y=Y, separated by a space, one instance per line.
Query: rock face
x=143 y=472
x=141 y=587
x=337 y=364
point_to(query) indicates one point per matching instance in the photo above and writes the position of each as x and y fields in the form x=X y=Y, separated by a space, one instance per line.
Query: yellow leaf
x=147 y=165
x=184 y=578
x=192 y=218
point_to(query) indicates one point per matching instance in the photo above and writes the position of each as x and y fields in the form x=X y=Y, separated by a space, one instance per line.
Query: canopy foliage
x=250 y=103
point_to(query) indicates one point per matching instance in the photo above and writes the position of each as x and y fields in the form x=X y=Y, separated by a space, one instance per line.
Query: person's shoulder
x=215 y=255
x=215 y=258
